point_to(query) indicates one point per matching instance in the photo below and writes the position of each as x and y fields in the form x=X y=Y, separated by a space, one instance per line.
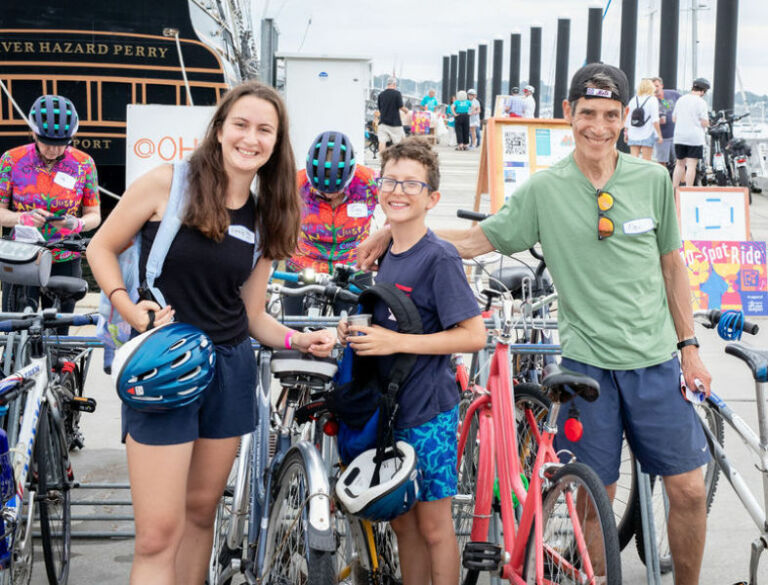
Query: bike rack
x=652 y=566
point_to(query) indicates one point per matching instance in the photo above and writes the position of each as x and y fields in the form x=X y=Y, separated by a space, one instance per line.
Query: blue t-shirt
x=666 y=107
x=462 y=106
x=429 y=102
x=432 y=275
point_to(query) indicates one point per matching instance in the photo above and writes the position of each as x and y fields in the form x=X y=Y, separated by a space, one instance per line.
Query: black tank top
x=201 y=278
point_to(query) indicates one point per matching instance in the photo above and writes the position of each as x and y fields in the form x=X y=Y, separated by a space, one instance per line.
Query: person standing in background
x=390 y=104
x=663 y=152
x=641 y=128
x=514 y=106
x=461 y=108
x=691 y=118
x=474 y=120
x=530 y=102
x=429 y=102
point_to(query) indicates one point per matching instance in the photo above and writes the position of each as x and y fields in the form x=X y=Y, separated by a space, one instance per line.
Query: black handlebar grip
x=473 y=215
x=751 y=328
x=714 y=315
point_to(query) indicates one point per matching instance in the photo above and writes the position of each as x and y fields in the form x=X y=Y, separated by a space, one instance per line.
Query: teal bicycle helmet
x=331 y=162
x=53 y=119
x=164 y=368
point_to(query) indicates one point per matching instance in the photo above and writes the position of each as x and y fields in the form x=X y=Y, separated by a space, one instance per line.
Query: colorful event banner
x=727 y=275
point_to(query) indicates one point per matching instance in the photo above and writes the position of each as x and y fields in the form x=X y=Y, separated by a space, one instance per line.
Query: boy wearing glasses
x=430 y=272
x=607 y=226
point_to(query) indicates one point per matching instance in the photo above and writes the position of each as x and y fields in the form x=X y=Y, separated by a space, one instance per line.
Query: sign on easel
x=515 y=148
x=713 y=213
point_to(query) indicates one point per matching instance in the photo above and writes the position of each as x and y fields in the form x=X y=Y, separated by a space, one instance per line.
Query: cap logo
x=596 y=92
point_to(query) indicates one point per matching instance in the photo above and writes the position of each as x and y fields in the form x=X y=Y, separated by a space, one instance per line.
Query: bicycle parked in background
x=40 y=465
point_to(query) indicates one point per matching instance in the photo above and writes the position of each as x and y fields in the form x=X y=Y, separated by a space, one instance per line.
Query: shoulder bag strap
x=169 y=227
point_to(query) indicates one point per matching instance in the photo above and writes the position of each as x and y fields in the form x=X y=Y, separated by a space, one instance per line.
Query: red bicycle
x=549 y=522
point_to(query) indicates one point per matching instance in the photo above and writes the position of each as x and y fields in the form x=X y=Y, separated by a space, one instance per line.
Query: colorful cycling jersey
x=26 y=183
x=330 y=236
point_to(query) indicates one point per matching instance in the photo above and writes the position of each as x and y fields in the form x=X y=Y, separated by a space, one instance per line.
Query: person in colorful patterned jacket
x=50 y=185
x=339 y=198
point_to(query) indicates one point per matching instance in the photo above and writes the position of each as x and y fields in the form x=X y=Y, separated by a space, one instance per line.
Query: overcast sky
x=411 y=36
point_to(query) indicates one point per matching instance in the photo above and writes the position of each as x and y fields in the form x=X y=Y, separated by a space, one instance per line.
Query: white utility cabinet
x=326 y=92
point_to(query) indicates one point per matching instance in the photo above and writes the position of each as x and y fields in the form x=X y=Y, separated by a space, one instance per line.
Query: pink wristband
x=288 y=337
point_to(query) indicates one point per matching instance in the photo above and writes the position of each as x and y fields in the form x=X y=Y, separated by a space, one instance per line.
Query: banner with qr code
x=727 y=275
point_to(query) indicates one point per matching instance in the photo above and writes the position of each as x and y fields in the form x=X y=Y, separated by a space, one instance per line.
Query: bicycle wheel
x=625 y=500
x=576 y=489
x=387 y=554
x=221 y=554
x=290 y=560
x=531 y=408
x=711 y=476
x=463 y=503
x=53 y=497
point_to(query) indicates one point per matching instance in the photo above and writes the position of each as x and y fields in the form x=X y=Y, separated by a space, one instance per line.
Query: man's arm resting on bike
x=679 y=300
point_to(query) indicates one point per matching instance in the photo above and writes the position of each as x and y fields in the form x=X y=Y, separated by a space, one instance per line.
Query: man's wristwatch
x=689 y=341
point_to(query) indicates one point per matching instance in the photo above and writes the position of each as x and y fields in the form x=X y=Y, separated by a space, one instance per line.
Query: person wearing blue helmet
x=50 y=186
x=214 y=279
x=340 y=196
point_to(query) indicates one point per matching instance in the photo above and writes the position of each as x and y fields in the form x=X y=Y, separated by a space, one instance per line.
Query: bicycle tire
x=559 y=546
x=462 y=505
x=221 y=554
x=388 y=554
x=53 y=498
x=711 y=478
x=289 y=557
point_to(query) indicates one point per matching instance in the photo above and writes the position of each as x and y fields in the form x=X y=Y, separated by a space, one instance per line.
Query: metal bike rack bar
x=652 y=567
x=123 y=518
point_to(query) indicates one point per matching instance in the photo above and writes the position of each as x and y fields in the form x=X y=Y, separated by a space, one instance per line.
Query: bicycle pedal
x=482 y=556
x=84 y=404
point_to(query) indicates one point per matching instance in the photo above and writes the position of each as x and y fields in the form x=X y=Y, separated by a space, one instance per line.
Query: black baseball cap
x=580 y=80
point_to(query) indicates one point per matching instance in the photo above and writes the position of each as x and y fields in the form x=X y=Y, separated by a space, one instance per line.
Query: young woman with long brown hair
x=179 y=460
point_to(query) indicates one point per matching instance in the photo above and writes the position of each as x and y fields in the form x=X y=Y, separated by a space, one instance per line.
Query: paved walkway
x=730 y=529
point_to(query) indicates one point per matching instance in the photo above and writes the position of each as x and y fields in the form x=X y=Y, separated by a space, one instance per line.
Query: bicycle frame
x=497 y=428
x=759 y=446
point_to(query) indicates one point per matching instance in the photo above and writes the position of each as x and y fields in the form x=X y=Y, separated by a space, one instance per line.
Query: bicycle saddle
x=511 y=278
x=288 y=362
x=756 y=359
x=563 y=385
x=67 y=287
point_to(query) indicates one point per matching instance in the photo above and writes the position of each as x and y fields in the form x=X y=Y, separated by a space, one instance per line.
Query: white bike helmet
x=395 y=492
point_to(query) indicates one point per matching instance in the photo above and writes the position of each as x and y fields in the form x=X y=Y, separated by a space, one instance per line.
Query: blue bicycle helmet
x=164 y=368
x=331 y=162
x=394 y=494
x=53 y=119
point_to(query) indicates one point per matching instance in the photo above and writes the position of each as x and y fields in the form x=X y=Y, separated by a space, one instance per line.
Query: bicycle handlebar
x=48 y=321
x=331 y=292
x=712 y=318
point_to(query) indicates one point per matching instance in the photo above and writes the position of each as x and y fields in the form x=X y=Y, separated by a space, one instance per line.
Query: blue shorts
x=226 y=408
x=662 y=427
x=436 y=446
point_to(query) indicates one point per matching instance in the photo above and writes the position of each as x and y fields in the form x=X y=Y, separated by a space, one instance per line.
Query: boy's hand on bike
x=318 y=343
x=697 y=377
x=374 y=340
x=149 y=315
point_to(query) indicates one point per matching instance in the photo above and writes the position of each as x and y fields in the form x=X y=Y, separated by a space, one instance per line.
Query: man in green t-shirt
x=608 y=230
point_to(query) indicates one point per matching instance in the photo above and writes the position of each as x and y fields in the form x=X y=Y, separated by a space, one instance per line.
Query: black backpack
x=356 y=399
x=638 y=117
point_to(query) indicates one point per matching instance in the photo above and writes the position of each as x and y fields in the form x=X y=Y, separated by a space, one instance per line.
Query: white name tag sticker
x=357 y=210
x=638 y=226
x=65 y=180
x=242 y=233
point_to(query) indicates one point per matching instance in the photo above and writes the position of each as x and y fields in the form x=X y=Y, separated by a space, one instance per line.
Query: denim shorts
x=226 y=408
x=436 y=446
x=662 y=428
x=650 y=141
